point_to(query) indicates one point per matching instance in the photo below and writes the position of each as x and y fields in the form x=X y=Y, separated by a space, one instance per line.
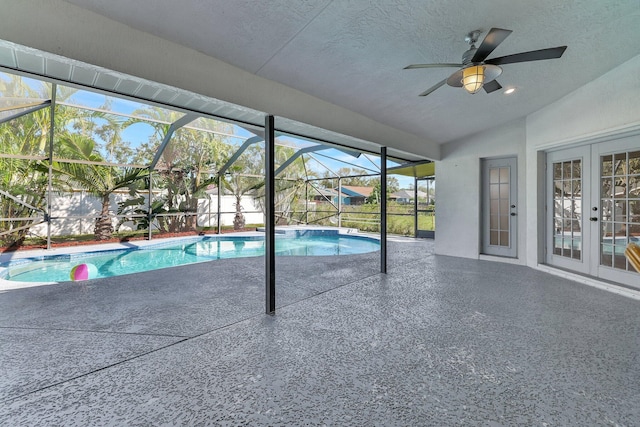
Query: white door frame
x=622 y=145
x=560 y=225
x=592 y=218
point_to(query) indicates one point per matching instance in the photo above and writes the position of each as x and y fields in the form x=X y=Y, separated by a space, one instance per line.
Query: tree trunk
x=192 y=218
x=238 y=220
x=103 y=228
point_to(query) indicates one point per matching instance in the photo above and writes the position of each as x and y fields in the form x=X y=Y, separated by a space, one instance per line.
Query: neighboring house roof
x=402 y=194
x=327 y=192
x=357 y=191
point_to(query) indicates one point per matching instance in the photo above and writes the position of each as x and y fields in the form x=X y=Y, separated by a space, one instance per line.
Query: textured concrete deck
x=437 y=341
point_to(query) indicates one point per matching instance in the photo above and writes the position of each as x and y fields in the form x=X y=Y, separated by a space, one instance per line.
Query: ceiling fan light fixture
x=477 y=71
x=473 y=78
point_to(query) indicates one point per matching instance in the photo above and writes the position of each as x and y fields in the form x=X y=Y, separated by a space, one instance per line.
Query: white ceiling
x=351 y=52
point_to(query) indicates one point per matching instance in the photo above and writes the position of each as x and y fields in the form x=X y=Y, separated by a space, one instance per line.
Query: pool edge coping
x=139 y=244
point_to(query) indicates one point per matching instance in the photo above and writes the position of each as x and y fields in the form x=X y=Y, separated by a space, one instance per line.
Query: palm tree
x=288 y=191
x=23 y=182
x=243 y=177
x=239 y=187
x=99 y=180
x=185 y=164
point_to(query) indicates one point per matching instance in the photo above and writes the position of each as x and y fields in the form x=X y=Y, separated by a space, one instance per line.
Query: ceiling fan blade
x=490 y=42
x=455 y=79
x=534 y=55
x=411 y=67
x=492 y=86
x=433 y=88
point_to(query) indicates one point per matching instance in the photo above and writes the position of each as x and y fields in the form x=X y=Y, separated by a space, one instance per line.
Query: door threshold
x=498 y=258
x=616 y=288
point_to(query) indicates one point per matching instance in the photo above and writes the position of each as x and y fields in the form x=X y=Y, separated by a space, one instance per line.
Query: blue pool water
x=118 y=262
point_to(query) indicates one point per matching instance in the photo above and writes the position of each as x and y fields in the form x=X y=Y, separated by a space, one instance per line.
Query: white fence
x=75 y=213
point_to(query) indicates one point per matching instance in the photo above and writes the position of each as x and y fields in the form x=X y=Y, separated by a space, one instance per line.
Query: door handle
x=593 y=218
x=513 y=214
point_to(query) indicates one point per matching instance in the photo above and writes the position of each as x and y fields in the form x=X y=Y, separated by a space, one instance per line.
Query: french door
x=593 y=208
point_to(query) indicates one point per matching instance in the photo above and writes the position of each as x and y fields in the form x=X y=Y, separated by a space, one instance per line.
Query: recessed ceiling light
x=509 y=91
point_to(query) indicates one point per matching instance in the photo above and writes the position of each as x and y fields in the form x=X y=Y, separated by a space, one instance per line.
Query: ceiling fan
x=476 y=71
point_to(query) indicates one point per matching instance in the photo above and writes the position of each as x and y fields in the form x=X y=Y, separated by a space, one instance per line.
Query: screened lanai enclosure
x=79 y=164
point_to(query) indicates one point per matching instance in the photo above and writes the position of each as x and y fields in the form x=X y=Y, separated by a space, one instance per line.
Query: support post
x=269 y=203
x=33 y=108
x=306 y=202
x=415 y=207
x=149 y=213
x=383 y=210
x=238 y=153
x=182 y=121
x=220 y=189
x=339 y=202
x=54 y=89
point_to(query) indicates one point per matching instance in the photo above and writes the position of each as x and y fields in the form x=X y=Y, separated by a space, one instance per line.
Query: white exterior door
x=568 y=209
x=499 y=210
x=617 y=167
x=593 y=208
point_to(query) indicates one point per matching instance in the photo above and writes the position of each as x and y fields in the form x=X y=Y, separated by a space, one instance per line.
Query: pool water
x=127 y=261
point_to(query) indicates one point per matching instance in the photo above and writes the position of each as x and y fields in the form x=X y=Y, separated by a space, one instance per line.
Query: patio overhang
x=414 y=169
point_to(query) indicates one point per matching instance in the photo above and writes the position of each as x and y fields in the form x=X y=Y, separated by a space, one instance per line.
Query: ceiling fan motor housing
x=468 y=55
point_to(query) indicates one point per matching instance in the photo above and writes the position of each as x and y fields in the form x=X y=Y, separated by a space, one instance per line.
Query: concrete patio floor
x=436 y=341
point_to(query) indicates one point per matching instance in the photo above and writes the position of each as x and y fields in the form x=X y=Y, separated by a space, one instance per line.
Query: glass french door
x=619 y=199
x=593 y=208
x=568 y=201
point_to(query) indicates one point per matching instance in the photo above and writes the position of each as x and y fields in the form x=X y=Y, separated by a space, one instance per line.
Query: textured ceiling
x=351 y=52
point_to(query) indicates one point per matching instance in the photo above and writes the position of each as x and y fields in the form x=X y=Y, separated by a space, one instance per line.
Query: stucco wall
x=606 y=108
x=458 y=184
x=609 y=103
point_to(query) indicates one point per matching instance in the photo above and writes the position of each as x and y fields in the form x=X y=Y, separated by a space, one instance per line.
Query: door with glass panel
x=618 y=166
x=499 y=210
x=593 y=208
x=568 y=204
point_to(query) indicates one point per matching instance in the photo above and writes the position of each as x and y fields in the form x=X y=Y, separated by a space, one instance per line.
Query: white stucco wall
x=606 y=108
x=609 y=103
x=458 y=183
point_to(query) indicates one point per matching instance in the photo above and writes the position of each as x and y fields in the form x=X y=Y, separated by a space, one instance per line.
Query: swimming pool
x=108 y=263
